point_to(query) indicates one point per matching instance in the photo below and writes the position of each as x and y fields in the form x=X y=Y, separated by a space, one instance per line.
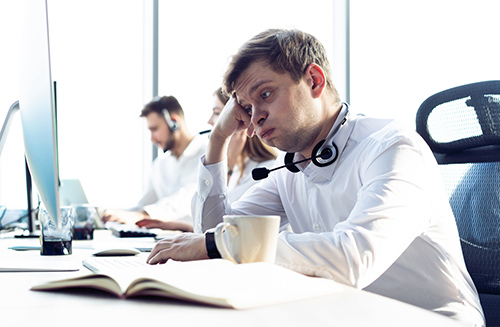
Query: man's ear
x=176 y=120
x=316 y=78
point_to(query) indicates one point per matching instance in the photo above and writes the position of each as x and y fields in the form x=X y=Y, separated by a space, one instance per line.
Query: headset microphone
x=261 y=173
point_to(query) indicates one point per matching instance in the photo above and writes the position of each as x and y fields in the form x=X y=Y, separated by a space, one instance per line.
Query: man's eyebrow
x=256 y=86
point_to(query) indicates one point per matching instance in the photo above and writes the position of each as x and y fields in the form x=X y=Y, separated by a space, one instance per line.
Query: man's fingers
x=157 y=259
x=250 y=130
x=157 y=248
x=181 y=247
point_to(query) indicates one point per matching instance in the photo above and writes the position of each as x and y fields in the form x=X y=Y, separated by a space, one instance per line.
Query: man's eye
x=248 y=110
x=266 y=95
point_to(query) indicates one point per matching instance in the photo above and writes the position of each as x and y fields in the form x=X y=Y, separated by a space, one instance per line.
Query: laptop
x=71 y=193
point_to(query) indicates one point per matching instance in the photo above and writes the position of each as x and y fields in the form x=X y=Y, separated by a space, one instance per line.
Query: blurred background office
x=388 y=56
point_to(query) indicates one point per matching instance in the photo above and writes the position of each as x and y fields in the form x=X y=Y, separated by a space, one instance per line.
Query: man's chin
x=161 y=148
x=278 y=145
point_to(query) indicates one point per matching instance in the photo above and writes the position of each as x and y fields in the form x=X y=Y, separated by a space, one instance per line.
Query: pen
x=205 y=131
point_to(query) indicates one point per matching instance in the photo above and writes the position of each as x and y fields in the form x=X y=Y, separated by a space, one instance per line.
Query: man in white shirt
x=373 y=214
x=173 y=177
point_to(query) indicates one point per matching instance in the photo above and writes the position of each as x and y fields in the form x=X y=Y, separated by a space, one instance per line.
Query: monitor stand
x=31 y=231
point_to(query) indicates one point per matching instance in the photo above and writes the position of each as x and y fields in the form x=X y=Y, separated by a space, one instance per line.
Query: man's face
x=282 y=110
x=160 y=133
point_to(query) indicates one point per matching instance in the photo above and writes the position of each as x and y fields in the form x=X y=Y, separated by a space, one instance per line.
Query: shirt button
x=317 y=226
x=207 y=182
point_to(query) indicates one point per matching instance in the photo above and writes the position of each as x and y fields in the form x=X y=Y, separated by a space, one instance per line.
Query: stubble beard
x=169 y=145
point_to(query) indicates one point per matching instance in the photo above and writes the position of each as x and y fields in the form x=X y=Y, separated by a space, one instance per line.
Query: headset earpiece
x=321 y=156
x=324 y=156
x=172 y=124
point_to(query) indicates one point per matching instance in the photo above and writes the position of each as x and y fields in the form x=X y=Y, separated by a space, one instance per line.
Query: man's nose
x=258 y=116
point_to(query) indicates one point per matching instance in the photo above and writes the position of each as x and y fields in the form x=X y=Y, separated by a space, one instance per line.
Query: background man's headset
x=172 y=124
x=324 y=153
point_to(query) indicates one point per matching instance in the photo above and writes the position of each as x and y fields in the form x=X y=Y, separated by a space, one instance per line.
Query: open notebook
x=215 y=282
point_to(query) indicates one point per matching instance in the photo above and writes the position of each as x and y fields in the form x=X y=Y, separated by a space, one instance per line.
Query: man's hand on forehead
x=250 y=128
x=234 y=119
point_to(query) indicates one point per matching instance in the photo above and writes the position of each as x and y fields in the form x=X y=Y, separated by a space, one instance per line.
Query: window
x=405 y=51
x=97 y=62
x=96 y=57
x=197 y=37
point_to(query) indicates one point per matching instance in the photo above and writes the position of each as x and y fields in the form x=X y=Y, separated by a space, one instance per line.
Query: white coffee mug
x=249 y=238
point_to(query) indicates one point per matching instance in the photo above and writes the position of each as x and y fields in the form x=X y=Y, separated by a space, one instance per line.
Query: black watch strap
x=212 y=251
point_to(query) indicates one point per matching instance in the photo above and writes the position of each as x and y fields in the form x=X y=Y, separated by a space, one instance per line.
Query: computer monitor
x=36 y=103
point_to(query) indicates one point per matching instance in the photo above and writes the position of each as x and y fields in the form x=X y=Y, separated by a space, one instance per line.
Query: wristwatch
x=212 y=251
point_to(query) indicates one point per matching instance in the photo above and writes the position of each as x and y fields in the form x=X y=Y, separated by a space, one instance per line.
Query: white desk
x=21 y=307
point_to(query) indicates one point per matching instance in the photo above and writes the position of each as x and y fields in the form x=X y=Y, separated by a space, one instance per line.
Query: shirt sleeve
x=148 y=198
x=210 y=202
x=173 y=207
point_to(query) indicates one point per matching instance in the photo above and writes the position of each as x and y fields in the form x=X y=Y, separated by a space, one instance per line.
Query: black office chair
x=462 y=127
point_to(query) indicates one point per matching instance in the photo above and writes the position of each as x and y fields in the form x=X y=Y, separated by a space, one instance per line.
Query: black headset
x=172 y=124
x=324 y=153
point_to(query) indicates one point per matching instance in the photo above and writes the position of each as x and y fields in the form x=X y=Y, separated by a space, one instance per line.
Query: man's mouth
x=266 y=134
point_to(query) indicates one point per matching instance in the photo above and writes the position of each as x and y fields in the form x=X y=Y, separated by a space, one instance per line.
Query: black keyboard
x=123 y=230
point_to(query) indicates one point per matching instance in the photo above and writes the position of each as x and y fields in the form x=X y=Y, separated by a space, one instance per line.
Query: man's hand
x=233 y=119
x=182 y=247
x=165 y=225
x=123 y=216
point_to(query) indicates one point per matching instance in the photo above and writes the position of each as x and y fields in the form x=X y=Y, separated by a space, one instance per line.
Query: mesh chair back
x=462 y=127
x=462 y=124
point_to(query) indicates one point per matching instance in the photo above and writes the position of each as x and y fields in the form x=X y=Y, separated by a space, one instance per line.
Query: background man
x=172 y=182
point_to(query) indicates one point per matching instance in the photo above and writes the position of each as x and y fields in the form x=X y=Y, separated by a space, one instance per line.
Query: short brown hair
x=165 y=102
x=289 y=51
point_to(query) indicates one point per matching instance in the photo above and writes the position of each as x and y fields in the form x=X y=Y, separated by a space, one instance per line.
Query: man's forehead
x=154 y=118
x=255 y=75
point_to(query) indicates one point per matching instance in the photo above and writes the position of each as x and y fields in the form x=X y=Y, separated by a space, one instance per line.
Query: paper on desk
x=36 y=264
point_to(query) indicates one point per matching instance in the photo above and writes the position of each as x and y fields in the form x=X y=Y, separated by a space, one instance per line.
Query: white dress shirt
x=377 y=218
x=172 y=183
x=236 y=185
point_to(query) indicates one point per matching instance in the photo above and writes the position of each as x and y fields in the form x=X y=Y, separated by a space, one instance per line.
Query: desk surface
x=20 y=306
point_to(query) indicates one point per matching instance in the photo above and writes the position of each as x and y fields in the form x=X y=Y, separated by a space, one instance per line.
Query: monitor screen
x=36 y=104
